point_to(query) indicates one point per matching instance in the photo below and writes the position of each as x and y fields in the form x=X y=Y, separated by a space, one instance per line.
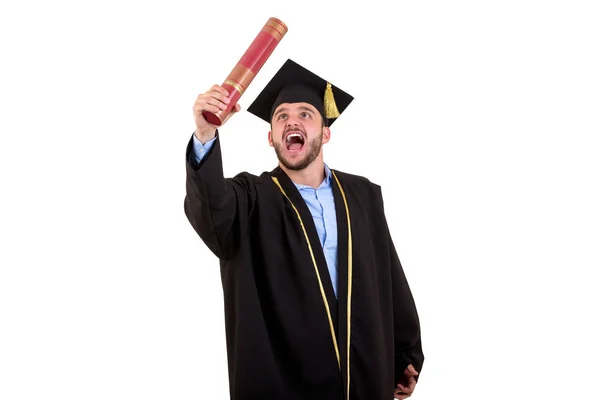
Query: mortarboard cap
x=294 y=84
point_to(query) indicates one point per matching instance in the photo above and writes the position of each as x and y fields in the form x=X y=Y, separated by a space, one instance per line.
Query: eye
x=305 y=115
x=282 y=116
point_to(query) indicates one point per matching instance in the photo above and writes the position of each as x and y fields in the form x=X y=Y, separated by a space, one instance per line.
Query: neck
x=312 y=176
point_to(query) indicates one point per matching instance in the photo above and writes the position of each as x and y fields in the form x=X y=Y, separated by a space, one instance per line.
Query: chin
x=295 y=165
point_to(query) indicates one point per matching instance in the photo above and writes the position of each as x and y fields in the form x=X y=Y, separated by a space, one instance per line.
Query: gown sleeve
x=407 y=330
x=218 y=208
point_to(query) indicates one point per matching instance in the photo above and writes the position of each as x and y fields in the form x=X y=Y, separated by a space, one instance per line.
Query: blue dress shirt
x=321 y=204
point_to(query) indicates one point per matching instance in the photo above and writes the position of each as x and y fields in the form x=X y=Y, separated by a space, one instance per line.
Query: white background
x=479 y=119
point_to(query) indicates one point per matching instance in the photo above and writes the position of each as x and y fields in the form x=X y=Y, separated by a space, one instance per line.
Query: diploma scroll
x=248 y=66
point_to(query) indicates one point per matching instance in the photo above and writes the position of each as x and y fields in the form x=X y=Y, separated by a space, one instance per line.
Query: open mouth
x=294 y=141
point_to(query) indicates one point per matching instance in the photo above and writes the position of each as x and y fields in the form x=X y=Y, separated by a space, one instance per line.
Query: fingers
x=213 y=100
x=218 y=92
x=219 y=89
x=210 y=102
x=412 y=383
x=408 y=388
x=199 y=108
x=398 y=394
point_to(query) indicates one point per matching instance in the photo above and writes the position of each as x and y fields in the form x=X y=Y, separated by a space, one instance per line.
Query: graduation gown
x=288 y=337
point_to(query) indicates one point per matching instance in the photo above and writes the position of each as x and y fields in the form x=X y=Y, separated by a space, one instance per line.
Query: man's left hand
x=405 y=390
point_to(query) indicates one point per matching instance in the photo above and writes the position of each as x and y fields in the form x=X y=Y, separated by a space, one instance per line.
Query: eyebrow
x=307 y=109
x=280 y=111
x=284 y=109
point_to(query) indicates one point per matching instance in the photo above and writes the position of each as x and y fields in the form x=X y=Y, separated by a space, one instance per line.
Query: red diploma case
x=246 y=69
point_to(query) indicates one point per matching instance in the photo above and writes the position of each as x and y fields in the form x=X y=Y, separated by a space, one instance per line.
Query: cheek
x=274 y=142
x=315 y=134
x=276 y=134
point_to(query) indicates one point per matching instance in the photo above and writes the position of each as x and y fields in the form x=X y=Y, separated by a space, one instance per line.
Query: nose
x=291 y=122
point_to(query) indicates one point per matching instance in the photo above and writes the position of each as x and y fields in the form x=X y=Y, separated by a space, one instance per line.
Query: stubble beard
x=314 y=148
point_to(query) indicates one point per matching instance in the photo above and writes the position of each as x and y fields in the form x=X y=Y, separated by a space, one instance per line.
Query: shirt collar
x=325 y=184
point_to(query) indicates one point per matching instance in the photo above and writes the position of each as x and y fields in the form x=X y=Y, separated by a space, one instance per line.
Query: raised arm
x=218 y=208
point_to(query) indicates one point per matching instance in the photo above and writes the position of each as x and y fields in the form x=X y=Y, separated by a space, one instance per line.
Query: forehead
x=295 y=107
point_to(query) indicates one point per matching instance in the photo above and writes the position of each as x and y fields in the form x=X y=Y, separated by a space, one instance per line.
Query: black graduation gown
x=287 y=334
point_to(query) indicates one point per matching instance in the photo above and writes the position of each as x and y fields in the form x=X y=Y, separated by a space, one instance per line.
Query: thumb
x=412 y=370
x=233 y=111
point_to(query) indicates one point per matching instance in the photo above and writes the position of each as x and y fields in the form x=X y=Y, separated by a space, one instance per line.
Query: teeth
x=291 y=135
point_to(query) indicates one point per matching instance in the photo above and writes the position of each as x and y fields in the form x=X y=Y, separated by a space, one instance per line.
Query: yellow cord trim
x=349 y=280
x=312 y=255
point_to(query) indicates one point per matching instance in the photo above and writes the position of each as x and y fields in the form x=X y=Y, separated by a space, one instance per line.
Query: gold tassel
x=331 y=110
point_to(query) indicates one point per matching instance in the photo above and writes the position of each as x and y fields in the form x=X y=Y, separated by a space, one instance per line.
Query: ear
x=326 y=134
x=270 y=138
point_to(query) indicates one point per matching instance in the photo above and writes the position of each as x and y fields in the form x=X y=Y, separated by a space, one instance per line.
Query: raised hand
x=213 y=100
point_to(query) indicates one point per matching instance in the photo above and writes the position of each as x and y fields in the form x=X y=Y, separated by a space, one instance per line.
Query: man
x=317 y=305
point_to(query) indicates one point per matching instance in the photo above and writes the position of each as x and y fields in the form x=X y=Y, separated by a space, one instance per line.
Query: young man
x=317 y=305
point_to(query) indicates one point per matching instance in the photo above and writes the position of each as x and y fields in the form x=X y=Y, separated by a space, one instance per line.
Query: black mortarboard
x=293 y=84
